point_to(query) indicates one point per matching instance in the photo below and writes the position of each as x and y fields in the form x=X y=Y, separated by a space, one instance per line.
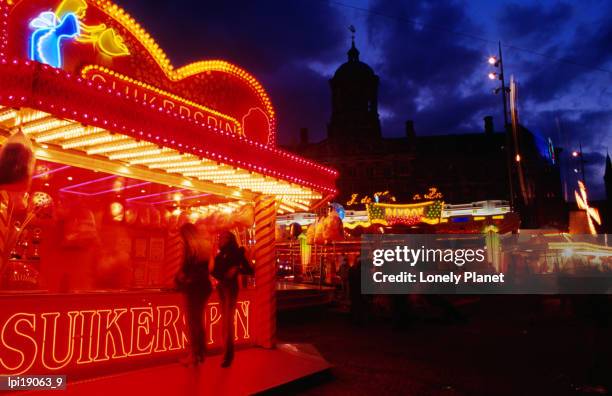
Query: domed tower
x=354 y=89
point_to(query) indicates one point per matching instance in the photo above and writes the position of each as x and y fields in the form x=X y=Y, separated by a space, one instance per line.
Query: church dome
x=354 y=89
x=353 y=69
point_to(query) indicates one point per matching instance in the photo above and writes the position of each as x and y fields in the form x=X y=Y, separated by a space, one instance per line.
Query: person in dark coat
x=194 y=282
x=229 y=262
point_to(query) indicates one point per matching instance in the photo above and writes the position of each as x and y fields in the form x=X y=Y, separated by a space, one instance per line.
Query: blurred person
x=193 y=280
x=229 y=262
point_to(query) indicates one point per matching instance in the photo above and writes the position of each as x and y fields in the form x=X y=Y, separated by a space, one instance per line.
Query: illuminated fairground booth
x=127 y=148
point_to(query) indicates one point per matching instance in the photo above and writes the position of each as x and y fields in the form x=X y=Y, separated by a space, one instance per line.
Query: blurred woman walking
x=229 y=262
x=193 y=280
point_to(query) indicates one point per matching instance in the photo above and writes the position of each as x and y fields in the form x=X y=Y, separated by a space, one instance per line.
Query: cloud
x=424 y=69
x=273 y=40
x=261 y=35
x=440 y=61
x=430 y=71
x=582 y=46
x=533 y=23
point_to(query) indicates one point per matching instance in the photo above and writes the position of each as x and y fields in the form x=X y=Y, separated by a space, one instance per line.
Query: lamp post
x=497 y=61
x=578 y=155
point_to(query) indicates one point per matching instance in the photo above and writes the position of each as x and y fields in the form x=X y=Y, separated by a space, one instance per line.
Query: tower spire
x=353 y=53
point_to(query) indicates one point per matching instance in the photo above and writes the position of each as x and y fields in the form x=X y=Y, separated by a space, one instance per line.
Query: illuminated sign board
x=98 y=41
x=391 y=214
x=102 y=331
x=163 y=100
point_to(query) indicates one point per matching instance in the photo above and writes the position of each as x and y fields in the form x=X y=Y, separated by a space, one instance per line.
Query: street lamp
x=497 y=62
x=578 y=155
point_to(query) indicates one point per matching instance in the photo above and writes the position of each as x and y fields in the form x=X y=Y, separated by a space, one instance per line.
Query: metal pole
x=507 y=129
x=582 y=163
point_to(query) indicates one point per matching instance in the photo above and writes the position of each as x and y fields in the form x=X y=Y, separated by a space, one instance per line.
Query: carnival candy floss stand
x=127 y=148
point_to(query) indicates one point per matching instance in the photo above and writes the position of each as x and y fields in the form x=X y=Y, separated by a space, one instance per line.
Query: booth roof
x=67 y=115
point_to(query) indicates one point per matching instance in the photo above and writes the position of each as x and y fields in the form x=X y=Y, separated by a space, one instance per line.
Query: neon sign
x=46 y=40
x=66 y=340
x=94 y=36
x=432 y=193
x=391 y=214
x=162 y=99
x=105 y=39
x=380 y=196
x=51 y=28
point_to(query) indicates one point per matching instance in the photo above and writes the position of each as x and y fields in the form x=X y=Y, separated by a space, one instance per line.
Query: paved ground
x=510 y=345
x=254 y=370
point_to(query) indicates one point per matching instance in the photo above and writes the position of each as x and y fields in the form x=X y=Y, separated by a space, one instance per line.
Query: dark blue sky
x=430 y=56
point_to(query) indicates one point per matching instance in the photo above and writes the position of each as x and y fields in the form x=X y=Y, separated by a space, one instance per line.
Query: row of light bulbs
x=21 y=101
x=95 y=140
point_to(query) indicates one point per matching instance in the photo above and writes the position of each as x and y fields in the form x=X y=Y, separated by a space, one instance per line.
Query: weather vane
x=352 y=29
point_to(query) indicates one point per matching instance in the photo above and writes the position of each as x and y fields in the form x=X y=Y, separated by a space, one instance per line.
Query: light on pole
x=578 y=155
x=497 y=62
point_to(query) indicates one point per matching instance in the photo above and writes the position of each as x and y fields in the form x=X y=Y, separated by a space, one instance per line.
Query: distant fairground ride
x=434 y=217
x=311 y=247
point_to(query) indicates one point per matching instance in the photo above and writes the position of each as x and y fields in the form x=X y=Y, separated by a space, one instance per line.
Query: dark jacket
x=229 y=263
x=195 y=275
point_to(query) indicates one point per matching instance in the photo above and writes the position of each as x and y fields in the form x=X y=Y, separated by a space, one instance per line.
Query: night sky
x=431 y=57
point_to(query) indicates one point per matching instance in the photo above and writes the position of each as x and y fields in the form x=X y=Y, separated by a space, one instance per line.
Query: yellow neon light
x=178 y=168
x=7 y=114
x=138 y=153
x=107 y=40
x=25 y=116
x=66 y=132
x=193 y=165
x=579 y=245
x=122 y=147
x=160 y=161
x=43 y=125
x=403 y=206
x=118 y=147
x=96 y=139
x=118 y=14
x=141 y=84
x=356 y=224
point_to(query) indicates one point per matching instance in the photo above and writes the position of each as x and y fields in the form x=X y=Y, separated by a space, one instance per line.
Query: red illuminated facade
x=136 y=147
